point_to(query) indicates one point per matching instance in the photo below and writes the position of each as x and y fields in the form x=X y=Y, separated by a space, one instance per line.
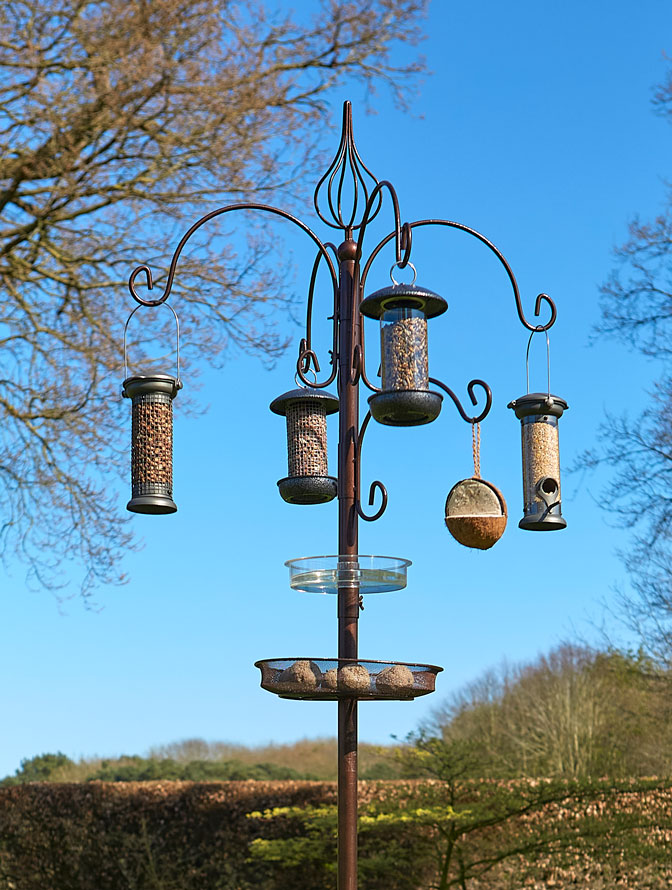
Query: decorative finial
x=346 y=160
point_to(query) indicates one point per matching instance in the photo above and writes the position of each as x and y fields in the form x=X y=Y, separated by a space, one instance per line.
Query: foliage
x=144 y=836
x=198 y=760
x=121 y=122
x=190 y=836
x=393 y=846
x=574 y=713
x=151 y=770
x=41 y=768
x=637 y=310
x=451 y=830
x=56 y=767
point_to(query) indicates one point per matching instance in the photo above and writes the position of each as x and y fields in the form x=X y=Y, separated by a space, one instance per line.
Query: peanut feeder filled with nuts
x=308 y=480
x=151 y=442
x=151 y=398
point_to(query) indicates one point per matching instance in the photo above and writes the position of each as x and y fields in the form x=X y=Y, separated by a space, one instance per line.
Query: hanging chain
x=476 y=448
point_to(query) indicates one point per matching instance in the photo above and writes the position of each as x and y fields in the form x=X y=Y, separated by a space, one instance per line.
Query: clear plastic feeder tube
x=403 y=349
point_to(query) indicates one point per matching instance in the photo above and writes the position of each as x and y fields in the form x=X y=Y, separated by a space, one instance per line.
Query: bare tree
x=637 y=309
x=117 y=120
x=573 y=713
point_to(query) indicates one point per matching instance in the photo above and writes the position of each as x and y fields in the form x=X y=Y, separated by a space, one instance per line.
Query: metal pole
x=348 y=597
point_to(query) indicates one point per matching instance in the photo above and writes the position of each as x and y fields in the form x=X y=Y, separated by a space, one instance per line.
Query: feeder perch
x=403 y=310
x=151 y=442
x=476 y=513
x=538 y=414
x=308 y=480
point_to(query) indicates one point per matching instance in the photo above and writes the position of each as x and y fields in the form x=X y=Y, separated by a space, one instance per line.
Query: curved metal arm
x=500 y=256
x=219 y=212
x=470 y=389
x=369 y=215
x=306 y=352
x=362 y=364
x=374 y=485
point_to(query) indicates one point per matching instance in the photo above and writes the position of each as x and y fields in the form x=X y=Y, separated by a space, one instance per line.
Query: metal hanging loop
x=548 y=361
x=401 y=265
x=177 y=343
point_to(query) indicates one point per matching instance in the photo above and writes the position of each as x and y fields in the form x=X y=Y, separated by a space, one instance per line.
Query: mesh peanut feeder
x=308 y=480
x=403 y=310
x=151 y=398
x=476 y=509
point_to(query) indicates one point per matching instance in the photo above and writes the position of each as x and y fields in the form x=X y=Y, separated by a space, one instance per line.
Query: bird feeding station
x=475 y=510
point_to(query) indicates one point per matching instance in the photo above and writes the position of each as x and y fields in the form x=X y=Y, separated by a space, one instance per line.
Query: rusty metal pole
x=348 y=597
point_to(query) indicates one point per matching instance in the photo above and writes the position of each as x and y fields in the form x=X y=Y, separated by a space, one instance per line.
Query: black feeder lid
x=403 y=296
x=538 y=403
x=304 y=394
x=150 y=383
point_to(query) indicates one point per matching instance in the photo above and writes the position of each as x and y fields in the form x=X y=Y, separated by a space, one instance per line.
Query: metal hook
x=548 y=360
x=405 y=244
x=374 y=485
x=177 y=327
x=472 y=395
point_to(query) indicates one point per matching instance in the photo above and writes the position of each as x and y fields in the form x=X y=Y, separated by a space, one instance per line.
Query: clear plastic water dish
x=330 y=679
x=326 y=574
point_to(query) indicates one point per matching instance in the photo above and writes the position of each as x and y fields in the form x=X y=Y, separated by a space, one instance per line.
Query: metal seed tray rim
x=371 y=694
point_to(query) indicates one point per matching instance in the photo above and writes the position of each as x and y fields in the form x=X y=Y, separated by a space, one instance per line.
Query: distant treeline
x=194 y=760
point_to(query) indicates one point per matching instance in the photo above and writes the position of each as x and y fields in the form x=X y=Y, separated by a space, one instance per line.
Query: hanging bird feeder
x=308 y=480
x=151 y=435
x=403 y=310
x=475 y=509
x=538 y=414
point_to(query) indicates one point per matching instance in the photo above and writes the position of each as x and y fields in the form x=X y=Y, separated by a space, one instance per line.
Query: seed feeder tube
x=151 y=398
x=308 y=480
x=403 y=310
x=542 y=503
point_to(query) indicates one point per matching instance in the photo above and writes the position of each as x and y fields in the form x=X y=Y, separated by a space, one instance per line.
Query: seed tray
x=331 y=679
x=328 y=574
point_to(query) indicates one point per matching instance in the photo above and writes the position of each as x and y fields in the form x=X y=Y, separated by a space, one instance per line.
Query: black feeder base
x=308 y=489
x=549 y=522
x=407 y=407
x=152 y=503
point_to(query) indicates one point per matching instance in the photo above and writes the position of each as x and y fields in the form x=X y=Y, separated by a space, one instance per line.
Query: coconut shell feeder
x=475 y=509
x=476 y=513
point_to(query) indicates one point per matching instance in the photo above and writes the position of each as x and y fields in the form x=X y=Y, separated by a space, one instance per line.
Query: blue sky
x=535 y=128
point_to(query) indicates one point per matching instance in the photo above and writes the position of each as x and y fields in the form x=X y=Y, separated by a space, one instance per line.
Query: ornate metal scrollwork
x=374 y=485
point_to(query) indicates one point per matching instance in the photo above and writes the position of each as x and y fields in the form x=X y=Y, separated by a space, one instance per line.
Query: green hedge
x=140 y=836
x=197 y=836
